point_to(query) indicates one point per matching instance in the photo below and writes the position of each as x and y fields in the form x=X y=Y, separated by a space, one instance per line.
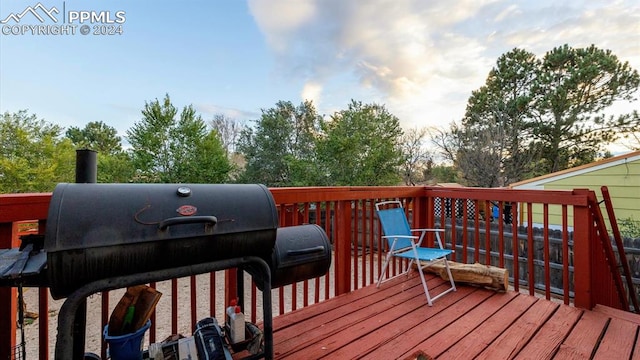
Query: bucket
x=128 y=346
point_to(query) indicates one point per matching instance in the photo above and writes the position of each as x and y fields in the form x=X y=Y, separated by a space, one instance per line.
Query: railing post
x=421 y=217
x=582 y=253
x=43 y=308
x=342 y=244
x=7 y=302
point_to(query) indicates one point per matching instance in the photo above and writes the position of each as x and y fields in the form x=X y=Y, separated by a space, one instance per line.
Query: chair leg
x=453 y=284
x=384 y=269
x=407 y=270
x=424 y=285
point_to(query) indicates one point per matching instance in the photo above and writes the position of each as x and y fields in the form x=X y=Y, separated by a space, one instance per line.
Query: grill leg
x=68 y=347
x=267 y=310
x=79 y=330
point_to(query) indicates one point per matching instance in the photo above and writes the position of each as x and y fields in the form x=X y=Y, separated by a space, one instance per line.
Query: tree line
x=538 y=116
x=532 y=116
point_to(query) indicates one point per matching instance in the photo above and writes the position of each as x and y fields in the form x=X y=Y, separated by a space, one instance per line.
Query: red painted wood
x=343 y=248
x=193 y=298
x=476 y=234
x=372 y=236
x=326 y=346
x=548 y=339
x=499 y=194
x=465 y=234
x=323 y=325
x=620 y=246
x=584 y=337
x=254 y=302
x=613 y=270
x=514 y=338
x=343 y=304
x=153 y=331
x=582 y=254
x=230 y=286
x=174 y=306
x=614 y=343
x=530 y=250
x=464 y=325
x=454 y=228
x=18 y=207
x=7 y=301
x=565 y=255
x=515 y=246
x=545 y=249
x=470 y=346
x=35 y=206
x=396 y=329
x=294 y=296
x=425 y=323
x=487 y=233
x=396 y=323
x=501 y=234
x=281 y=300
x=104 y=297
x=43 y=324
x=354 y=247
x=468 y=323
x=307 y=194
x=328 y=226
x=212 y=295
x=618 y=314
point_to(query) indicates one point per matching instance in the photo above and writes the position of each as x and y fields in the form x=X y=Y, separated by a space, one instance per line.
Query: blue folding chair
x=403 y=244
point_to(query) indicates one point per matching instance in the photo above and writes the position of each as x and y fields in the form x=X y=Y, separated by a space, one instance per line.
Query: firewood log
x=484 y=275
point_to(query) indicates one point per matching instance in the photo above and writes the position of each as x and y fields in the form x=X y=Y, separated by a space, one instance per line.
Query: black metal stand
x=72 y=308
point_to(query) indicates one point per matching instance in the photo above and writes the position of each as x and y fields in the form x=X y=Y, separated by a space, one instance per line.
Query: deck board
x=394 y=321
x=352 y=311
x=514 y=338
x=464 y=325
x=471 y=346
x=450 y=309
x=619 y=332
x=584 y=337
x=548 y=339
x=374 y=340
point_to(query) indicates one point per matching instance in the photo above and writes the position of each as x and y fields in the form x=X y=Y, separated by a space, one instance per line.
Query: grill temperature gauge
x=184 y=191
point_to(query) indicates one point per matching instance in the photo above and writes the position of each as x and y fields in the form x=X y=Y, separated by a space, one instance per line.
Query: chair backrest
x=394 y=222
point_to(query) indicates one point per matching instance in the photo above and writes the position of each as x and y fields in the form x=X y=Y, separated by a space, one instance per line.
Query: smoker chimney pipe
x=86 y=166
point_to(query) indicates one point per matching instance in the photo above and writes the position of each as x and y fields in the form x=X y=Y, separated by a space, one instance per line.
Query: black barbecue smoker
x=102 y=237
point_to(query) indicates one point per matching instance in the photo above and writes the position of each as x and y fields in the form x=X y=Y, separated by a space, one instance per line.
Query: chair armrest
x=400 y=237
x=429 y=230
x=426 y=230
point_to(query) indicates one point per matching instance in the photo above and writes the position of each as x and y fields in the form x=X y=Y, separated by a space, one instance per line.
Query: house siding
x=621 y=177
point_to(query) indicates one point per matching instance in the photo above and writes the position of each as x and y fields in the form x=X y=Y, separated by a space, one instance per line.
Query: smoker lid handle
x=306 y=251
x=164 y=224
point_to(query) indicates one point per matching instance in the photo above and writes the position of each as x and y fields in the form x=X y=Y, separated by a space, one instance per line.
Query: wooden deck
x=394 y=322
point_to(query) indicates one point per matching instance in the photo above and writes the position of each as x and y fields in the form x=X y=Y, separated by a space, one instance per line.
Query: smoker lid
x=93 y=215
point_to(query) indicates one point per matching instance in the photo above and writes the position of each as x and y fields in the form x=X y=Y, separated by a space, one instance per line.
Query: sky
x=419 y=58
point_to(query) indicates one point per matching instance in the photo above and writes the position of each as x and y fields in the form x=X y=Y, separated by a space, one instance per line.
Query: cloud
x=282 y=18
x=209 y=110
x=311 y=91
x=423 y=58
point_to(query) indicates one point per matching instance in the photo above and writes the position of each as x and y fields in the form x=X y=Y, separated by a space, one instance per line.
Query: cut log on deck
x=484 y=275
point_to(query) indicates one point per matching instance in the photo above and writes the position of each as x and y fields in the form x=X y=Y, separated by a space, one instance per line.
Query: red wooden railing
x=347 y=215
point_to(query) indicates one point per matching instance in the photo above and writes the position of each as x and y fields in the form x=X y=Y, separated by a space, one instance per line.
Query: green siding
x=622 y=180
